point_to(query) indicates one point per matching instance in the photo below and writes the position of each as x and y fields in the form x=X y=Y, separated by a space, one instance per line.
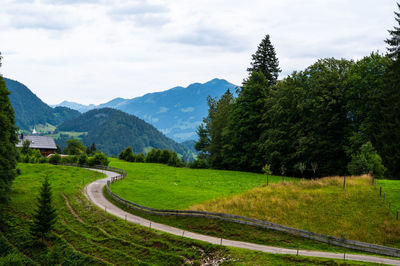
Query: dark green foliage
x=98 y=159
x=127 y=155
x=91 y=149
x=74 y=147
x=153 y=156
x=216 y=124
x=366 y=161
x=365 y=85
x=203 y=143
x=113 y=131
x=243 y=131
x=83 y=159
x=305 y=120
x=265 y=61
x=199 y=164
x=31 y=156
x=394 y=41
x=45 y=214
x=140 y=158
x=8 y=140
x=164 y=156
x=55 y=159
x=30 y=110
x=25 y=147
x=69 y=159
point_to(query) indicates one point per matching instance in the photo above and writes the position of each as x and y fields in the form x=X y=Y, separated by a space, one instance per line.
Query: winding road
x=94 y=192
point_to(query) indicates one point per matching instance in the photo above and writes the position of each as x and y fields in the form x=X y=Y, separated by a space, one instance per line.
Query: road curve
x=94 y=192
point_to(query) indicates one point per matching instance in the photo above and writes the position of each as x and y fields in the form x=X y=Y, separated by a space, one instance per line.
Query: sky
x=91 y=51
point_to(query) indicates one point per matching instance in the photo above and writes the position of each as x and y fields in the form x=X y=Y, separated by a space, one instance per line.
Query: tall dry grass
x=321 y=206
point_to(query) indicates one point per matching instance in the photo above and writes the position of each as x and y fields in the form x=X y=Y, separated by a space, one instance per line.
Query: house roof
x=38 y=142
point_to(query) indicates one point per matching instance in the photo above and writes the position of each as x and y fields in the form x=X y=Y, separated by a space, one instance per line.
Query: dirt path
x=94 y=192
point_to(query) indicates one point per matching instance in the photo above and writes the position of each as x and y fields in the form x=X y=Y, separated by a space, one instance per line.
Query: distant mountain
x=113 y=130
x=76 y=106
x=30 y=111
x=176 y=112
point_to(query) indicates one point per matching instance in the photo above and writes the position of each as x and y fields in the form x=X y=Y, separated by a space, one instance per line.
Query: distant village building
x=45 y=144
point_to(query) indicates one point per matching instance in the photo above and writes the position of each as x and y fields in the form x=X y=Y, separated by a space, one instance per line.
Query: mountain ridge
x=177 y=112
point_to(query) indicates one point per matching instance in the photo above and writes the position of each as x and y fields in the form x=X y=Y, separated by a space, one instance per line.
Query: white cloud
x=91 y=51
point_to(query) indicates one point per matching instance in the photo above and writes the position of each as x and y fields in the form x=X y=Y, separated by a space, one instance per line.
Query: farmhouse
x=45 y=144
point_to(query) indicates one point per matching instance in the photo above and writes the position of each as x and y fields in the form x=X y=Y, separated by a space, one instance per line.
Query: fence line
x=357 y=245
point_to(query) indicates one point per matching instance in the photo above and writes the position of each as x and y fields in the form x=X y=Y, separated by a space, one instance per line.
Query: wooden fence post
x=380 y=191
x=344 y=182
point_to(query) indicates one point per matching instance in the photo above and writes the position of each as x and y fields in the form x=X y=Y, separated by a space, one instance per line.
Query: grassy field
x=71 y=134
x=391 y=188
x=320 y=206
x=85 y=235
x=161 y=186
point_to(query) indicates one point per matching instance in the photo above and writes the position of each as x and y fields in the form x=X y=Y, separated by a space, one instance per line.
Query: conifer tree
x=388 y=136
x=8 y=139
x=45 y=215
x=394 y=41
x=265 y=61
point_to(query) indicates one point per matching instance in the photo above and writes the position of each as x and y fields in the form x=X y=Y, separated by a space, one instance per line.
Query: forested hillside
x=335 y=117
x=176 y=112
x=30 y=110
x=113 y=130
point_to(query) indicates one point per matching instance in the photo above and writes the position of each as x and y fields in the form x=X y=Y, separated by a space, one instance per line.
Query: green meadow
x=86 y=235
x=161 y=186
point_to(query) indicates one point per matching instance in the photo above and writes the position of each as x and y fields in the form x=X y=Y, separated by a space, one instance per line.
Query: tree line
x=335 y=117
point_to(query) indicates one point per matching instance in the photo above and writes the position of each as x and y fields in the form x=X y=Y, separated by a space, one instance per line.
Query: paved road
x=94 y=192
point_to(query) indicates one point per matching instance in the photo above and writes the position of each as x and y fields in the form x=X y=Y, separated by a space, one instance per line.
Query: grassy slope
x=321 y=206
x=99 y=238
x=161 y=186
x=391 y=188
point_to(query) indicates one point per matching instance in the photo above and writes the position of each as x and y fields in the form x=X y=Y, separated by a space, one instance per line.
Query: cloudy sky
x=91 y=51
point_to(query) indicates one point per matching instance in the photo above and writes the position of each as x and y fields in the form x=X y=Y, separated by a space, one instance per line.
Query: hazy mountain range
x=176 y=112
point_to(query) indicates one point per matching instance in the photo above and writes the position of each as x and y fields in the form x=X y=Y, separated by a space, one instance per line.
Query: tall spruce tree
x=394 y=40
x=45 y=215
x=265 y=61
x=8 y=139
x=388 y=138
x=242 y=151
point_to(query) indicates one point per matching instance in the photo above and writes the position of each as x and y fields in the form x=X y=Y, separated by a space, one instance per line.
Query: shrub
x=69 y=159
x=199 y=164
x=164 y=157
x=366 y=161
x=98 y=159
x=140 y=158
x=83 y=159
x=55 y=159
x=43 y=160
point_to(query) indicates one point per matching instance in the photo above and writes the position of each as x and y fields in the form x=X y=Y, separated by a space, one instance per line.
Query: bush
x=153 y=156
x=98 y=159
x=69 y=159
x=175 y=161
x=366 y=161
x=43 y=160
x=55 y=159
x=199 y=164
x=83 y=159
x=140 y=158
x=164 y=157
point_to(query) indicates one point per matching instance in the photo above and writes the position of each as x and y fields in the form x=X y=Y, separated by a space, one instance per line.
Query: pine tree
x=45 y=216
x=265 y=61
x=394 y=41
x=8 y=139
